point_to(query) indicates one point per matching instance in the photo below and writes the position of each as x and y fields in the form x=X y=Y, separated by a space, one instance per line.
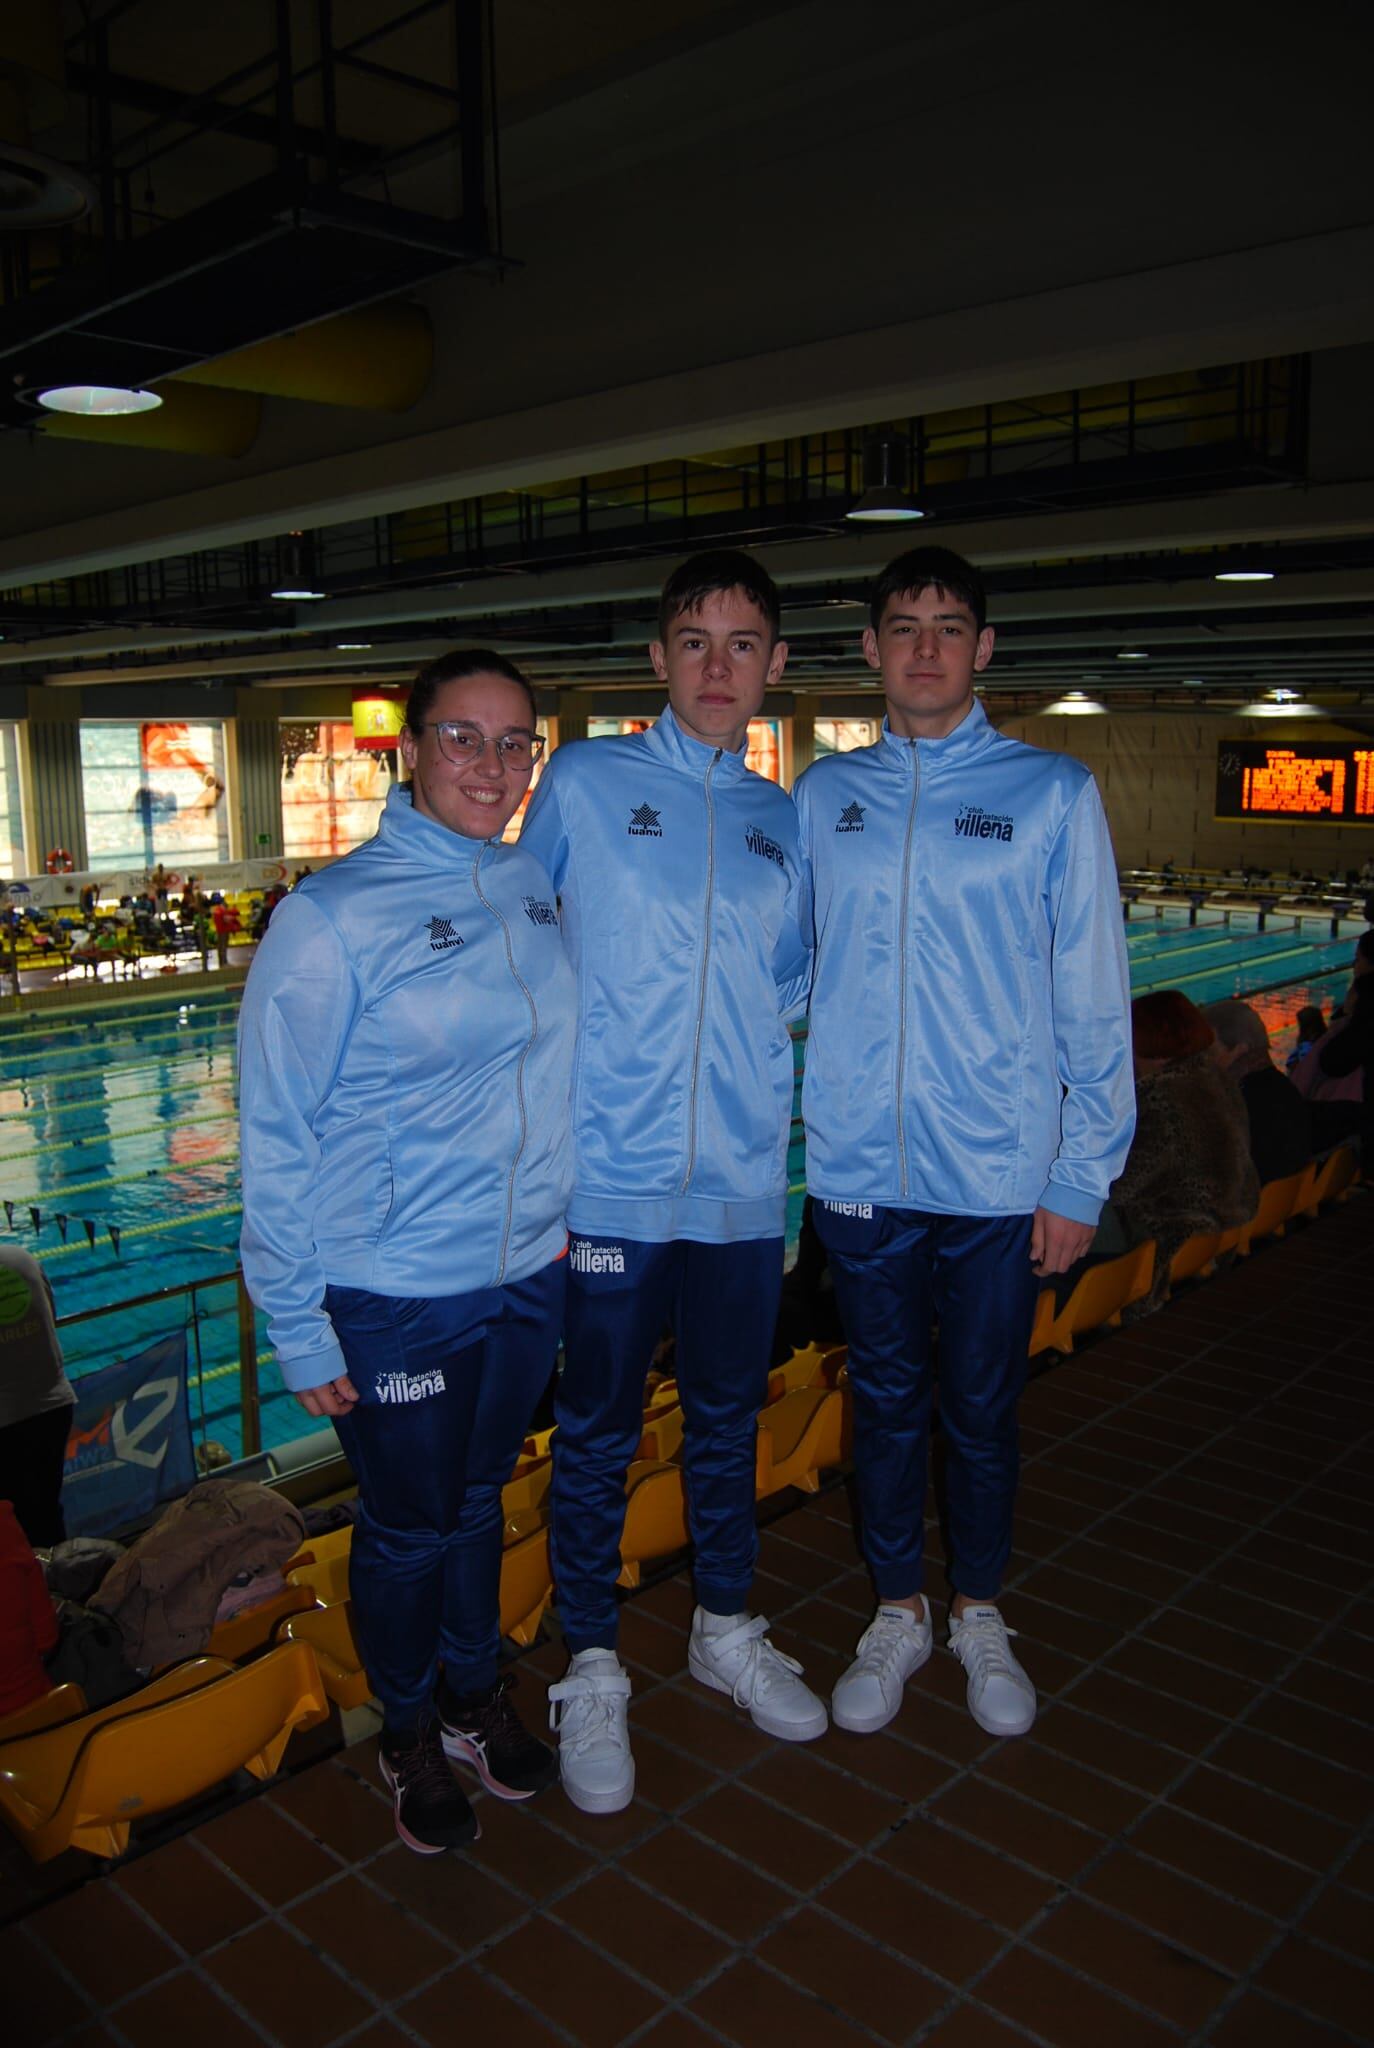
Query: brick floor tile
x=286 y=1988
x=1327 y=1986
x=1063 y=2009
x=1112 y=1606
x=852 y=1976
x=1257 y=2022
x=973 y=2026
x=1196 y=1636
x=372 y=1937
x=267 y=1853
x=39 y=2004
x=1273 y=1823
x=1071 y=1789
x=517 y=1846
x=571 y=1984
x=1342 y=1918
x=814 y=1790
x=879 y=1902
x=664 y=1776
x=186 y=2008
x=349 y=1817
x=1063 y=1727
x=755 y=2009
x=701 y=1881
x=1145 y=1576
x=466 y=2009
x=103 y=1941
x=1337 y=1736
x=1140 y=1965
x=643 y=1931
x=1346 y=1795
x=1013 y=1826
x=782 y=1845
x=719 y=1740
x=1248 y=1875
x=1164 y=1670
x=903 y=1772
x=190 y=1897
x=1182 y=1912
x=674 y=2030
x=458 y=1897
x=968 y=1873
x=649 y=1644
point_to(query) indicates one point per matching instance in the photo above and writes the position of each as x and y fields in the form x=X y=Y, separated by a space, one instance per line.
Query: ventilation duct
x=35 y=191
x=378 y=358
x=188 y=422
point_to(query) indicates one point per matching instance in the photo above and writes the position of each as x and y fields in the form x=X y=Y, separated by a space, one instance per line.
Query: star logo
x=644 y=823
x=851 y=818
x=442 y=936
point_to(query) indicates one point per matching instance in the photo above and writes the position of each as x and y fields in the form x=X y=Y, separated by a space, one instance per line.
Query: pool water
x=123 y=1116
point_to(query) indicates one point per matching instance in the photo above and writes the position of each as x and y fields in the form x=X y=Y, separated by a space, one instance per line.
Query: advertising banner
x=130 y=1443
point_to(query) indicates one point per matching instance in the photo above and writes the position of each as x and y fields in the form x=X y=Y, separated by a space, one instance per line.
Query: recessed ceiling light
x=1132 y=654
x=1243 y=576
x=292 y=596
x=98 y=401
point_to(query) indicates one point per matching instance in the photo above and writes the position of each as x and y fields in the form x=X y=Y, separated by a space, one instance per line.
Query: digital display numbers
x=1325 y=782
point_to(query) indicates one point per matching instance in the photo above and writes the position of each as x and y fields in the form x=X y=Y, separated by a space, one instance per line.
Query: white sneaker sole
x=870 y=1724
x=784 y=1730
x=990 y=1727
x=613 y=1800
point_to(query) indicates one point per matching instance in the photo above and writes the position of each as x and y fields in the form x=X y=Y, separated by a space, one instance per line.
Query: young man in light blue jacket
x=968 y=1101
x=686 y=916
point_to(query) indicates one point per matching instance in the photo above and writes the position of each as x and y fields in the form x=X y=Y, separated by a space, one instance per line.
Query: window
x=763 y=751
x=153 y=792
x=332 y=791
x=843 y=735
x=512 y=831
x=12 y=862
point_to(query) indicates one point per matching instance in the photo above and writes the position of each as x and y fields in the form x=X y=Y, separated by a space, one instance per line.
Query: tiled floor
x=1179 y=1853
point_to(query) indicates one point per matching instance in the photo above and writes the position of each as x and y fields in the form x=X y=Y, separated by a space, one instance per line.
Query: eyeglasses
x=463 y=744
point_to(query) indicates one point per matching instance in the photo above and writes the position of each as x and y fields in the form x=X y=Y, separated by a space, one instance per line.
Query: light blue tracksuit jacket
x=686 y=916
x=405 y=1057
x=970 y=1045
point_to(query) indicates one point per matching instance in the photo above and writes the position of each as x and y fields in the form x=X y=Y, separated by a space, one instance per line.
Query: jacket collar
x=677 y=749
x=968 y=739
x=409 y=835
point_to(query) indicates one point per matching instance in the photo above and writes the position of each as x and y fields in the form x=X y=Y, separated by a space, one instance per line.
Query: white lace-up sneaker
x=740 y=1660
x=589 y=1711
x=894 y=1644
x=1001 y=1698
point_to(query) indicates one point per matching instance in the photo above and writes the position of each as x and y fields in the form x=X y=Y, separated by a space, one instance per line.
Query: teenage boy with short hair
x=686 y=914
x=968 y=1101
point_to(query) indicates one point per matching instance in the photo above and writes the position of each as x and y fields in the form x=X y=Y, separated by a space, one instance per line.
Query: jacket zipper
x=523 y=987
x=705 y=965
x=901 y=961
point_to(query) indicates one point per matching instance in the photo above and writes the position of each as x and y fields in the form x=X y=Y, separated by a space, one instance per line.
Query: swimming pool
x=122 y=1116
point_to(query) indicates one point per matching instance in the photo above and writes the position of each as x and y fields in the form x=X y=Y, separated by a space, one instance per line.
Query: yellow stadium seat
x=661 y=1441
x=655 y=1517
x=1100 y=1295
x=62 y=1703
x=1042 y=1327
x=81 y=1785
x=1279 y=1202
x=329 y=1633
x=528 y=1486
x=244 y=1633
x=1332 y=1177
x=1196 y=1255
x=526 y=1585
x=799 y=1436
x=322 y=1567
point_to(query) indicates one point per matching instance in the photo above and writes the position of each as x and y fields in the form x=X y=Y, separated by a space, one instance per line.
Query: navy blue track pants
x=446 y=1389
x=722 y=1302
x=896 y=1271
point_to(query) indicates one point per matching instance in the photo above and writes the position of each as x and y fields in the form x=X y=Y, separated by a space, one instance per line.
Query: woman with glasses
x=405 y=1057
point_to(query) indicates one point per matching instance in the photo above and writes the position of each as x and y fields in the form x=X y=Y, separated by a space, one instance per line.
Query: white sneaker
x=594 y=1758
x=1001 y=1698
x=741 y=1661
x=895 y=1643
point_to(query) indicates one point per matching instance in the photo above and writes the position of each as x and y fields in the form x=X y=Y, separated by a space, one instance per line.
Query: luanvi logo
x=972 y=823
x=851 y=818
x=758 y=843
x=442 y=936
x=586 y=1257
x=539 y=913
x=410 y=1386
x=644 y=823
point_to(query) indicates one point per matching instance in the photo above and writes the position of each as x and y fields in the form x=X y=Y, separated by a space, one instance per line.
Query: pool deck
x=1179 y=1853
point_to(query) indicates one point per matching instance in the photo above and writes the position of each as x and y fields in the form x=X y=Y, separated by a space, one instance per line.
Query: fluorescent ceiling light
x=1269 y=709
x=352 y=646
x=292 y=596
x=98 y=401
x=1243 y=576
x=1132 y=654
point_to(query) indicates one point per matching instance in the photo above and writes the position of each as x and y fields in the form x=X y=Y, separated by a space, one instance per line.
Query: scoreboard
x=1321 y=782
